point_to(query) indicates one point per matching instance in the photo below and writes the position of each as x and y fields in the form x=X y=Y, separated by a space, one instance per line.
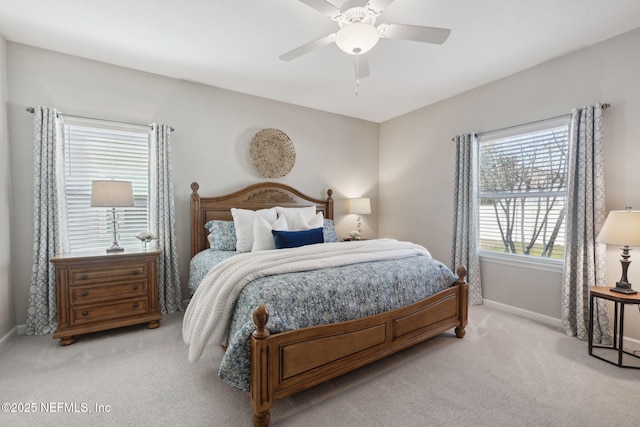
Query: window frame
x=139 y=217
x=507 y=258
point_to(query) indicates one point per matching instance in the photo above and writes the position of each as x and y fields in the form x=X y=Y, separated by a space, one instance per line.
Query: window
x=522 y=180
x=94 y=149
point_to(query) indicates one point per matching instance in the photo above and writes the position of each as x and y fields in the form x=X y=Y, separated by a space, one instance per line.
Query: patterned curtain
x=584 y=258
x=48 y=217
x=163 y=219
x=465 y=245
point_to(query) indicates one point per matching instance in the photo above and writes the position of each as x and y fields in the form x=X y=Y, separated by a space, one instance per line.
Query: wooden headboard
x=256 y=196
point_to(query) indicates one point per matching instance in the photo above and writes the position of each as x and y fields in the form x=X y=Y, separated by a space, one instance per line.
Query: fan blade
x=323 y=41
x=323 y=7
x=362 y=65
x=378 y=5
x=353 y=3
x=414 y=32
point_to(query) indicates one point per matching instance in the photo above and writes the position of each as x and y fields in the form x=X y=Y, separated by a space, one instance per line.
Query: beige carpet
x=507 y=371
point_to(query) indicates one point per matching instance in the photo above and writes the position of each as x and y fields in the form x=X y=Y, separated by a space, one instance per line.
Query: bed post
x=463 y=298
x=195 y=221
x=329 y=210
x=261 y=398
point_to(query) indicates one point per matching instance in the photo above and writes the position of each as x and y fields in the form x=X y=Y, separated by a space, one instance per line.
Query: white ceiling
x=235 y=44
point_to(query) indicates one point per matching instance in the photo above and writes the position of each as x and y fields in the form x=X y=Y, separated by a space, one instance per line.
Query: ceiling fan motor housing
x=357 y=34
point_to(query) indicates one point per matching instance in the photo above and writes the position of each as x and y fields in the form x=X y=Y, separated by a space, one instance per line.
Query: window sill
x=546 y=264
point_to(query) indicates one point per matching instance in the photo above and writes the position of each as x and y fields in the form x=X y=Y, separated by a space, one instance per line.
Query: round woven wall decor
x=272 y=153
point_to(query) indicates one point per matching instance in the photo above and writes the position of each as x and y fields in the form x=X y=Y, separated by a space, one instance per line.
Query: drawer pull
x=84 y=294
x=84 y=277
x=135 y=287
x=85 y=312
x=135 y=271
x=135 y=305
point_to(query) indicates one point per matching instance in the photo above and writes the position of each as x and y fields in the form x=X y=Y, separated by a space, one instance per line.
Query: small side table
x=619 y=301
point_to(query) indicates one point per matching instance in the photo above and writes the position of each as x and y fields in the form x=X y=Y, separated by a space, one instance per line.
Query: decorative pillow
x=316 y=221
x=243 y=220
x=294 y=239
x=301 y=223
x=297 y=218
x=262 y=237
x=329 y=232
x=222 y=235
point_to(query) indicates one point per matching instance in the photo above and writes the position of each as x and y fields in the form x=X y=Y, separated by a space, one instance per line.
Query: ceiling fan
x=357 y=33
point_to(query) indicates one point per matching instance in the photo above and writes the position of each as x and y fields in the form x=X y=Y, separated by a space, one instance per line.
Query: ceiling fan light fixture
x=357 y=38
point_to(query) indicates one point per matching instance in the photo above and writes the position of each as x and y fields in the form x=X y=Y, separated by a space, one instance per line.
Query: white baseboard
x=5 y=339
x=541 y=318
x=630 y=344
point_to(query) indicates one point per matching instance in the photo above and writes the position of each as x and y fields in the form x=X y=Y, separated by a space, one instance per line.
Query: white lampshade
x=361 y=206
x=621 y=228
x=111 y=194
x=357 y=38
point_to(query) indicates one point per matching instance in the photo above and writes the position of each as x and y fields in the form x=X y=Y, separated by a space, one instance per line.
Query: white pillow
x=300 y=223
x=243 y=220
x=262 y=237
x=297 y=218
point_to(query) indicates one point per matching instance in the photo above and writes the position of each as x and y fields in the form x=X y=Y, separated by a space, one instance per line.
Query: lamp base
x=115 y=248
x=627 y=291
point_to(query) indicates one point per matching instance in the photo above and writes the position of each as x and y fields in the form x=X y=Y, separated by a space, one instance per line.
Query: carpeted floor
x=507 y=371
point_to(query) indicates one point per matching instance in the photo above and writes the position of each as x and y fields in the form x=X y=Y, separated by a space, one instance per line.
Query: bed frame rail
x=287 y=363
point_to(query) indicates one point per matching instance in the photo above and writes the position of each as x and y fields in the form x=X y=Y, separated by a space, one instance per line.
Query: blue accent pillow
x=294 y=239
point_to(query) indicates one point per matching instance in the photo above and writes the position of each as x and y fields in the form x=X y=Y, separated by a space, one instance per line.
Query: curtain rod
x=603 y=107
x=32 y=110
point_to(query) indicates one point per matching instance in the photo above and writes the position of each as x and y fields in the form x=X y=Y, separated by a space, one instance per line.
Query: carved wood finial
x=461 y=271
x=329 y=193
x=260 y=319
x=194 y=188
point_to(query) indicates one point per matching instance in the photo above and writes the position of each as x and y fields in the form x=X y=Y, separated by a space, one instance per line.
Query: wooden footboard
x=289 y=362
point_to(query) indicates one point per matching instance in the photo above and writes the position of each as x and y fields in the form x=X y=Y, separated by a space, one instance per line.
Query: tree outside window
x=522 y=193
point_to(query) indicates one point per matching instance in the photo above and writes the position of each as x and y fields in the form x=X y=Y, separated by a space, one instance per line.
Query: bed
x=287 y=362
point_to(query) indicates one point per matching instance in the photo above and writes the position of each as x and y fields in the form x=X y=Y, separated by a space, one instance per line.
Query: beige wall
x=417 y=158
x=410 y=169
x=7 y=310
x=213 y=128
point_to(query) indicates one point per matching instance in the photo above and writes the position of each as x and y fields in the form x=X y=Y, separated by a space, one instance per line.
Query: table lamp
x=112 y=194
x=359 y=206
x=622 y=228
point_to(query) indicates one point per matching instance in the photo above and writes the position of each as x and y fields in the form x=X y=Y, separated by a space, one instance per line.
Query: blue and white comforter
x=334 y=294
x=202 y=262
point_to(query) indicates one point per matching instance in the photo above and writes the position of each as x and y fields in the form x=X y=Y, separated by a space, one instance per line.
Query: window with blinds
x=522 y=180
x=96 y=150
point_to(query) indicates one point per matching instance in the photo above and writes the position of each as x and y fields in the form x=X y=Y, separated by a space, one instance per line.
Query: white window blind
x=523 y=189
x=94 y=149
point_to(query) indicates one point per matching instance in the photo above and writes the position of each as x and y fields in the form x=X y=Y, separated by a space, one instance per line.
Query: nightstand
x=619 y=300
x=97 y=291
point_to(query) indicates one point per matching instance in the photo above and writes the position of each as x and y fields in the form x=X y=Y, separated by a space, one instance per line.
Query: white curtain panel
x=465 y=245
x=47 y=236
x=163 y=219
x=584 y=258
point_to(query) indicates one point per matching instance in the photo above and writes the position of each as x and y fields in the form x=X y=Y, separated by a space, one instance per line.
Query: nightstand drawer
x=82 y=276
x=95 y=313
x=103 y=292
